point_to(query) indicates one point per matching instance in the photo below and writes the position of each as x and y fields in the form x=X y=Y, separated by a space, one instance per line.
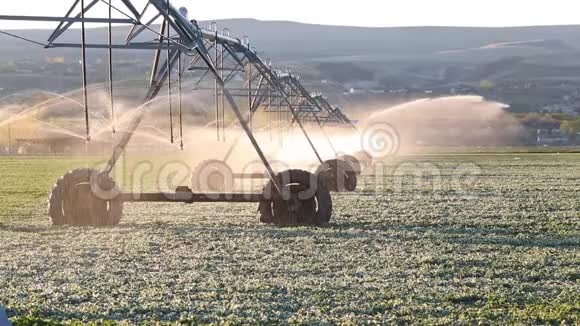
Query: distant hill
x=294 y=41
x=399 y=57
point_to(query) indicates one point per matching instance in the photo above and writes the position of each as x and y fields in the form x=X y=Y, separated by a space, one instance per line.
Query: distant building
x=59 y=145
x=552 y=137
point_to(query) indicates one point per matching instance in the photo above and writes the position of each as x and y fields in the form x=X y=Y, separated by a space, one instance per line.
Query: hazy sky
x=355 y=13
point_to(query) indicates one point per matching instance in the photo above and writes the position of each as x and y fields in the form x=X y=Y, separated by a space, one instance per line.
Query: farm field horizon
x=446 y=237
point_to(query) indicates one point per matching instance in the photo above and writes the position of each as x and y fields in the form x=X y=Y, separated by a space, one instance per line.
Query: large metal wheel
x=353 y=161
x=304 y=200
x=85 y=197
x=212 y=176
x=338 y=175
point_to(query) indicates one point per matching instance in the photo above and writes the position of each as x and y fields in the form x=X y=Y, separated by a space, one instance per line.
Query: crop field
x=443 y=238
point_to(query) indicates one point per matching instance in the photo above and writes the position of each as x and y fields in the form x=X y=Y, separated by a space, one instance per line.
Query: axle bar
x=190 y=197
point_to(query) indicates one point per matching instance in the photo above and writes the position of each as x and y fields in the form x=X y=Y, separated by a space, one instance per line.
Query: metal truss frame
x=235 y=68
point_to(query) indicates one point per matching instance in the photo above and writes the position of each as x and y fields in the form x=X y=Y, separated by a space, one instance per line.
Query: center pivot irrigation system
x=293 y=197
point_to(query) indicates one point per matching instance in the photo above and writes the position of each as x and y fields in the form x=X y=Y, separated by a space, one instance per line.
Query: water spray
x=280 y=202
